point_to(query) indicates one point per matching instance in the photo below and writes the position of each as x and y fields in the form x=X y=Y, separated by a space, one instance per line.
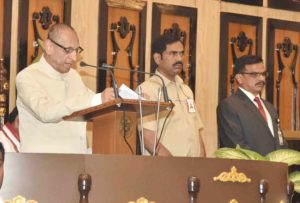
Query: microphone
x=105 y=66
x=115 y=86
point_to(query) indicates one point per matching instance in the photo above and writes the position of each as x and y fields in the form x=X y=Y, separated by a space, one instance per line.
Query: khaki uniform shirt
x=181 y=132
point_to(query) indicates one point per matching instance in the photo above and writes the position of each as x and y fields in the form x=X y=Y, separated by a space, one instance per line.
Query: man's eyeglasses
x=67 y=50
x=256 y=74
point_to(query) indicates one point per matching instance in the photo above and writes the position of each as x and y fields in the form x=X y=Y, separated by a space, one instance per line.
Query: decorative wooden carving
x=283 y=39
x=177 y=31
x=141 y=200
x=182 y=35
x=45 y=18
x=170 y=16
x=26 y=31
x=126 y=126
x=287 y=47
x=123 y=28
x=129 y=52
x=124 y=43
x=232 y=176
x=116 y=48
x=239 y=35
x=241 y=41
x=20 y=199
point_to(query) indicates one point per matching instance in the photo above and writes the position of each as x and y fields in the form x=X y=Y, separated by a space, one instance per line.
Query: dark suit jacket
x=240 y=122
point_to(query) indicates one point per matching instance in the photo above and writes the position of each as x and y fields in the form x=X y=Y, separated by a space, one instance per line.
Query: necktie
x=261 y=109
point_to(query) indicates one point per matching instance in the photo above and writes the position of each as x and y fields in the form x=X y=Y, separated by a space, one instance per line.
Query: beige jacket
x=44 y=97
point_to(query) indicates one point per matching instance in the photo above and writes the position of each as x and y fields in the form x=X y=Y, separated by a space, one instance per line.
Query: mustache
x=261 y=83
x=178 y=63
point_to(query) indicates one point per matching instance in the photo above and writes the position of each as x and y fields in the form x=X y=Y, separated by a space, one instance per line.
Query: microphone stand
x=141 y=121
x=115 y=86
x=105 y=66
x=157 y=123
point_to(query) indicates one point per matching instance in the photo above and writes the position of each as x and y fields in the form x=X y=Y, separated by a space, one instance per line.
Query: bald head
x=61 y=39
x=55 y=32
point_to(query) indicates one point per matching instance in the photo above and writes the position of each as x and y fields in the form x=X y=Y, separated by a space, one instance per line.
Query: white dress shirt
x=251 y=97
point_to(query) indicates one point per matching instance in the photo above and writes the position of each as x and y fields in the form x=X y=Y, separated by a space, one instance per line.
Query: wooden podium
x=49 y=178
x=114 y=124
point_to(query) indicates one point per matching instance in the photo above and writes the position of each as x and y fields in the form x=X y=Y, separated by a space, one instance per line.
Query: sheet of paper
x=127 y=93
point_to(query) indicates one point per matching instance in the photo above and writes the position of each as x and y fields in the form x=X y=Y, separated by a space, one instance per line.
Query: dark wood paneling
x=272 y=25
x=191 y=13
x=22 y=34
x=24 y=28
x=293 y=5
x=105 y=44
x=102 y=45
x=248 y=2
x=67 y=11
x=278 y=30
x=7 y=8
x=7 y=33
x=243 y=20
x=142 y=44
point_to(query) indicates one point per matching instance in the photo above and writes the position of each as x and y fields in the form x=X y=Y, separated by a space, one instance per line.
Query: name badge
x=191 y=105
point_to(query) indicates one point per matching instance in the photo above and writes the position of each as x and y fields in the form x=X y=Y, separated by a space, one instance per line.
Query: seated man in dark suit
x=244 y=118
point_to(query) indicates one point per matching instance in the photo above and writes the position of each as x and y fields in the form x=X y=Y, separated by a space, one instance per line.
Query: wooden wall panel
x=132 y=16
x=234 y=31
x=25 y=29
x=184 y=24
x=87 y=33
x=207 y=74
x=163 y=18
x=286 y=96
x=56 y=7
x=110 y=29
x=287 y=106
x=232 y=26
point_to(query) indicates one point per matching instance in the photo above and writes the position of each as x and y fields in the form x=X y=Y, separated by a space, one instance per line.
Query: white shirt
x=251 y=97
x=44 y=97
